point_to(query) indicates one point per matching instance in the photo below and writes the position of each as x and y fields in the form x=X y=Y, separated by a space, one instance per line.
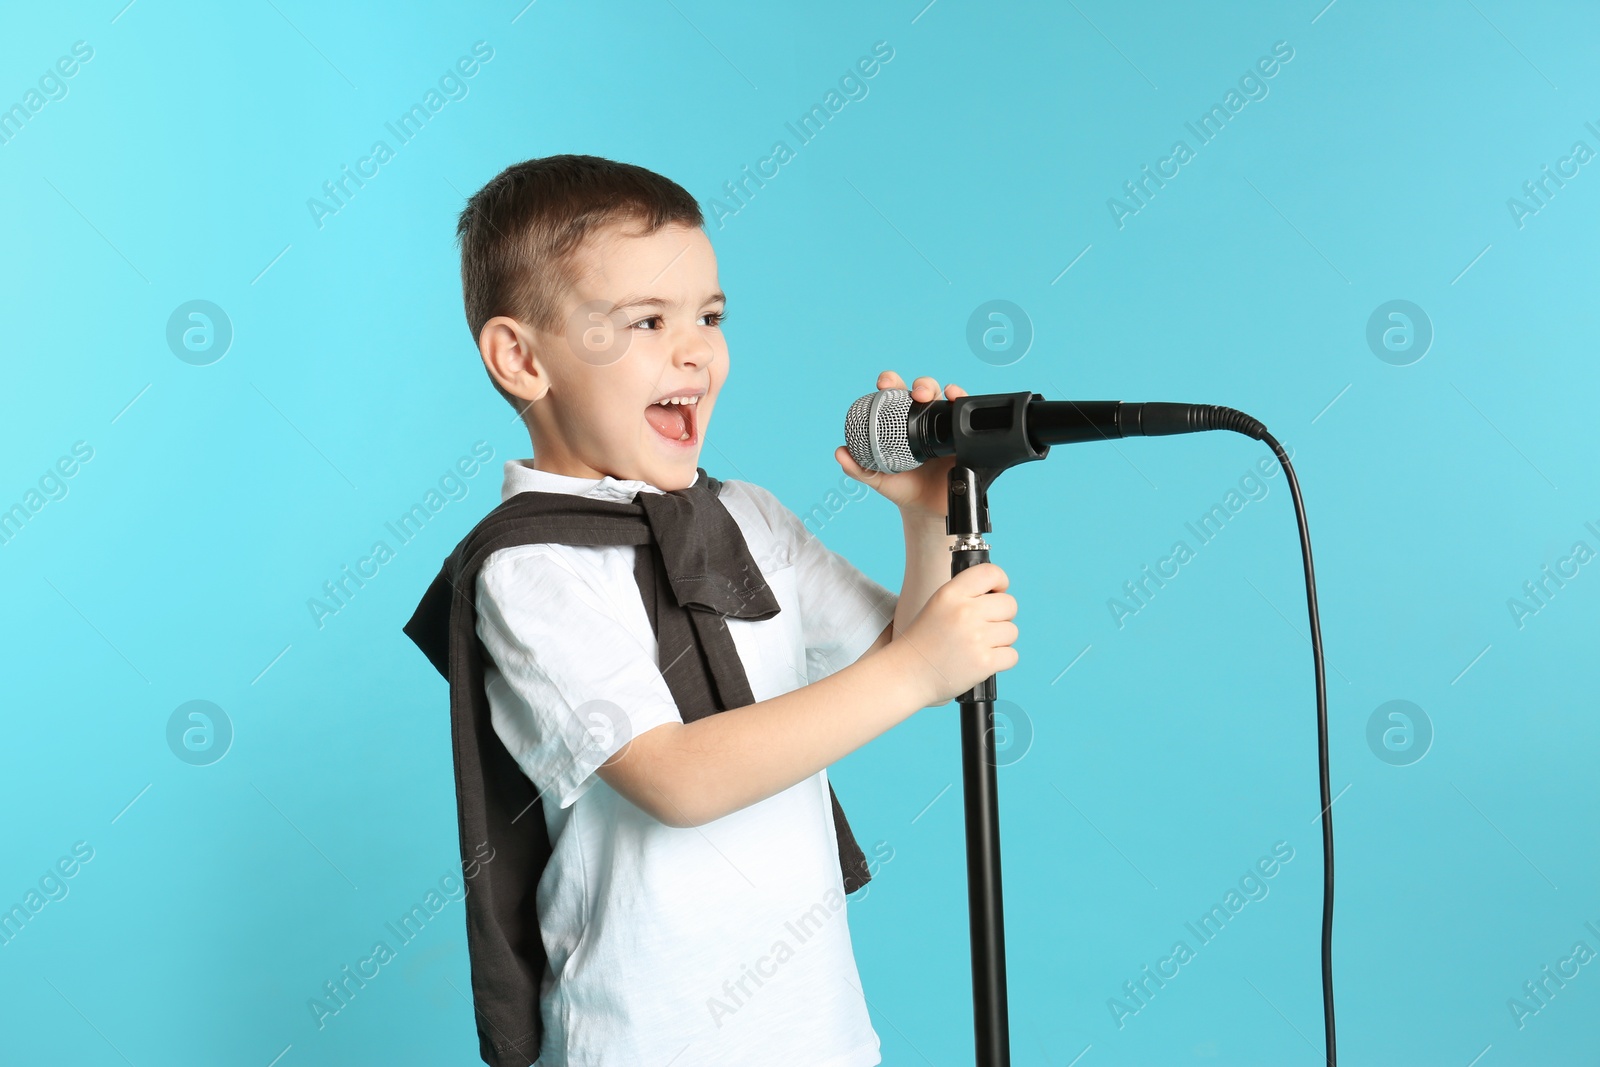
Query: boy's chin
x=669 y=471
x=681 y=474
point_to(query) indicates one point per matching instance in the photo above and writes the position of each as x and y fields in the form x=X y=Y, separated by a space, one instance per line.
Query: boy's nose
x=691 y=350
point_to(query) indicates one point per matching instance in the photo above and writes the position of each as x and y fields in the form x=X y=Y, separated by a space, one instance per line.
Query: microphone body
x=887 y=431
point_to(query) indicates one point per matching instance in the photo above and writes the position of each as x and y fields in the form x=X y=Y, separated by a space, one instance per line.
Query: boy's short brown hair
x=518 y=234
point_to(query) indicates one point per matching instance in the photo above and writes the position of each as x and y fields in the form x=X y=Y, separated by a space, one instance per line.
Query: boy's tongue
x=670 y=420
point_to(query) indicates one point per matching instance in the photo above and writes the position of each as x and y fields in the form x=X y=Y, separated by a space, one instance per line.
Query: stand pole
x=985 y=905
x=990 y=435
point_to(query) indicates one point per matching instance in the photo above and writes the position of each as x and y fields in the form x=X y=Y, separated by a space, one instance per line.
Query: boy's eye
x=654 y=321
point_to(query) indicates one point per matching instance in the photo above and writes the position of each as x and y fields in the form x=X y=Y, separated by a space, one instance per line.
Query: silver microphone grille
x=875 y=431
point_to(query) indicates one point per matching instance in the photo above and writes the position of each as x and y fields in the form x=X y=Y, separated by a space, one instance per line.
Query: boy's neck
x=591 y=475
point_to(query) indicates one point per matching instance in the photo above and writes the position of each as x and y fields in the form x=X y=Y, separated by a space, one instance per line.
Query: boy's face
x=643 y=323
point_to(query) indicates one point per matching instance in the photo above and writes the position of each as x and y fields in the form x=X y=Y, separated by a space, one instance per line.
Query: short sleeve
x=575 y=684
x=842 y=610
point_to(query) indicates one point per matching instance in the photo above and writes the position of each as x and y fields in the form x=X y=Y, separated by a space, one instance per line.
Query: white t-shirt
x=727 y=943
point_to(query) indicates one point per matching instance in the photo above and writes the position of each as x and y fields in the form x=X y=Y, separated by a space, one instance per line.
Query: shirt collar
x=522 y=477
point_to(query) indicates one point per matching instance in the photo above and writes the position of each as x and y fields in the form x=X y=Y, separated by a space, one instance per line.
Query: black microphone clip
x=990 y=436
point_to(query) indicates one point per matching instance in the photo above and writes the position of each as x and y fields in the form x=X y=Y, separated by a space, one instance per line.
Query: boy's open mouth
x=674 y=419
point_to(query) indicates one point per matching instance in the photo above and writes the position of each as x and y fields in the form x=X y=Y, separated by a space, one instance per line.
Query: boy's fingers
x=842 y=454
x=1002 y=606
x=851 y=467
x=930 y=391
x=983 y=578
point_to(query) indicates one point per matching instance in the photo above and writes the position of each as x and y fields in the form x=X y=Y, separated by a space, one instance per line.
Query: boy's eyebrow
x=656 y=301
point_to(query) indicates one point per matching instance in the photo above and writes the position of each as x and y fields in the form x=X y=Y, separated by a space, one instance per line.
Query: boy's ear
x=511 y=356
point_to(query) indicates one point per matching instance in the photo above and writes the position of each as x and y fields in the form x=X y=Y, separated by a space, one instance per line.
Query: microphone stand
x=981 y=454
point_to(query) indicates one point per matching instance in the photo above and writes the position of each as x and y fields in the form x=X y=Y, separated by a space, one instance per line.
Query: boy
x=692 y=909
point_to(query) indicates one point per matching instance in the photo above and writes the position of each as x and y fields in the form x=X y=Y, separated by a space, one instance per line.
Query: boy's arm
x=688 y=774
x=927 y=568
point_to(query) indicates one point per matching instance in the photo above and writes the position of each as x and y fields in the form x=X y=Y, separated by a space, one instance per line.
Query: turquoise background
x=1175 y=752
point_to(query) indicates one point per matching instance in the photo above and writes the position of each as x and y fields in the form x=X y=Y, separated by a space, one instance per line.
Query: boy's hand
x=962 y=635
x=920 y=494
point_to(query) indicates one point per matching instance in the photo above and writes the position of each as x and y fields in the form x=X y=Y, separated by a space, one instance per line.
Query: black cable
x=1331 y=1045
x=1221 y=418
x=1147 y=419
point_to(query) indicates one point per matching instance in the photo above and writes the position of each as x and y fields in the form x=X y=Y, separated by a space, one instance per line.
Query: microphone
x=889 y=432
